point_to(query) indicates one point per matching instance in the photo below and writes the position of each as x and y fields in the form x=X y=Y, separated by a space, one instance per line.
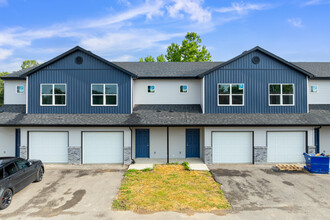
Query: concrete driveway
x=258 y=191
x=86 y=192
x=68 y=192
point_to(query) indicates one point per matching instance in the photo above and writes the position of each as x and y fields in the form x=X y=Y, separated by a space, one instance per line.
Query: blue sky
x=124 y=30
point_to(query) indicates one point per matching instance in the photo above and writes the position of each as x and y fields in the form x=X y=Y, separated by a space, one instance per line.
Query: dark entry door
x=192 y=143
x=142 y=143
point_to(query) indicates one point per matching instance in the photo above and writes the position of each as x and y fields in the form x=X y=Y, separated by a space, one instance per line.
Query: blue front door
x=17 y=142
x=192 y=143
x=142 y=143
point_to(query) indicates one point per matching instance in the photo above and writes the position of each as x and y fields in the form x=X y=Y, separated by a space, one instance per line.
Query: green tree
x=190 y=50
x=29 y=63
x=161 y=58
x=1 y=88
x=147 y=59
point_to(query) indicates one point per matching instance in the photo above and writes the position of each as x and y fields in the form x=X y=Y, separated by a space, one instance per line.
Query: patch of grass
x=186 y=165
x=176 y=163
x=147 y=169
x=170 y=188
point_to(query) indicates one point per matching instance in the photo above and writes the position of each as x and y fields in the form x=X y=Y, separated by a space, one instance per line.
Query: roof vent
x=255 y=59
x=79 y=60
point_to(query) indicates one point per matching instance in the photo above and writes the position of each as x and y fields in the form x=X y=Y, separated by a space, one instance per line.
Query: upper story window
x=151 y=89
x=183 y=88
x=19 y=89
x=281 y=94
x=53 y=94
x=314 y=89
x=230 y=94
x=104 y=94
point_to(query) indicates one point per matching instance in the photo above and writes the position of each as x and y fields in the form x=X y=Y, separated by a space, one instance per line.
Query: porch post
x=168 y=146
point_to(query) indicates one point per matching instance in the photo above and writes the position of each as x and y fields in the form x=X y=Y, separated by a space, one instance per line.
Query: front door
x=192 y=143
x=142 y=143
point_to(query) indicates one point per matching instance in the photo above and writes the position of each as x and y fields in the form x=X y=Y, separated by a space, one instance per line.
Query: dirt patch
x=226 y=172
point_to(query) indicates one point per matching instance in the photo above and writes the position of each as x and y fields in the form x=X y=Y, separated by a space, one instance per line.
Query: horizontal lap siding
x=79 y=79
x=256 y=79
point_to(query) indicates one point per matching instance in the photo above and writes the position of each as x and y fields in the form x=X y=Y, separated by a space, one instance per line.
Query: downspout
x=168 y=146
x=133 y=161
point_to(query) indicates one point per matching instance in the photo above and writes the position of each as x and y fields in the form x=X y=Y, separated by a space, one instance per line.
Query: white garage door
x=232 y=147
x=49 y=147
x=103 y=147
x=286 y=147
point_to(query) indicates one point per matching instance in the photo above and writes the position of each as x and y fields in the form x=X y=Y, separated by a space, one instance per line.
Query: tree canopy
x=29 y=63
x=190 y=50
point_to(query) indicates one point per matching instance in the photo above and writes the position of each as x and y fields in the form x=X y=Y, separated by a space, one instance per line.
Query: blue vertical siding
x=256 y=78
x=79 y=79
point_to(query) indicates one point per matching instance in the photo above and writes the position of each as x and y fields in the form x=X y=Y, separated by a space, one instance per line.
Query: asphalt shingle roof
x=318 y=69
x=164 y=115
x=167 y=69
x=185 y=69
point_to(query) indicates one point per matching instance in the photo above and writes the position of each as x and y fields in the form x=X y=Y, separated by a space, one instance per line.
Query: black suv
x=15 y=175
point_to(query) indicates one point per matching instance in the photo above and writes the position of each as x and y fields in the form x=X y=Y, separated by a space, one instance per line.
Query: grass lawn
x=170 y=188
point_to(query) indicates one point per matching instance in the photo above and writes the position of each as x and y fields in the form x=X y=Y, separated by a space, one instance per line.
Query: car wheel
x=40 y=174
x=6 y=198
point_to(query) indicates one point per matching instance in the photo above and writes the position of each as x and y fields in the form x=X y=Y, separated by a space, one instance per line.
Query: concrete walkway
x=144 y=163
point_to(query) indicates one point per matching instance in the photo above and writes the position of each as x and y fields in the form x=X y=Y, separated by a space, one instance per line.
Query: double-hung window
x=53 y=94
x=281 y=94
x=104 y=94
x=230 y=94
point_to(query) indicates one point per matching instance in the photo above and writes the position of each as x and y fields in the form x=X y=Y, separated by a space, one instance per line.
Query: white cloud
x=5 y=53
x=316 y=2
x=242 y=8
x=191 y=7
x=130 y=40
x=296 y=22
x=124 y=58
x=3 y=3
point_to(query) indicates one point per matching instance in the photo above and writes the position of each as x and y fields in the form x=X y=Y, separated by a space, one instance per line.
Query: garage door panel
x=50 y=147
x=232 y=147
x=102 y=147
x=286 y=147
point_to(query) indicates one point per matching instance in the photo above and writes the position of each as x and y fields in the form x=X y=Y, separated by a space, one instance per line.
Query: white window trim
x=148 y=89
x=53 y=94
x=180 y=89
x=230 y=94
x=281 y=94
x=104 y=95
x=23 y=90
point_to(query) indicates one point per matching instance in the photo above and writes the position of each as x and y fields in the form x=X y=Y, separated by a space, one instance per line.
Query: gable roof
x=167 y=69
x=257 y=48
x=77 y=48
x=320 y=70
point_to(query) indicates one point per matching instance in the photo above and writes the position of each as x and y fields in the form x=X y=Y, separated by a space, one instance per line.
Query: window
x=314 y=89
x=281 y=94
x=104 y=94
x=230 y=94
x=1 y=173
x=53 y=94
x=183 y=89
x=21 y=164
x=151 y=89
x=10 y=170
x=19 y=89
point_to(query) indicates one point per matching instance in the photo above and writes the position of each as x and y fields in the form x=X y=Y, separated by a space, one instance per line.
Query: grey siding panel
x=79 y=80
x=256 y=79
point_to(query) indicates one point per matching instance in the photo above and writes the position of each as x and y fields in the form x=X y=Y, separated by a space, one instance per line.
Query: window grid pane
x=111 y=89
x=97 y=99
x=47 y=89
x=111 y=100
x=59 y=89
x=47 y=99
x=274 y=89
x=97 y=89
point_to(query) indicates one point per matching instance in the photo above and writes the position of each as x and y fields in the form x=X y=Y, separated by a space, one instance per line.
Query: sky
x=125 y=30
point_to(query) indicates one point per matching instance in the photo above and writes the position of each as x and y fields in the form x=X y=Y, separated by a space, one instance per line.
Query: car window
x=10 y=169
x=21 y=164
x=1 y=173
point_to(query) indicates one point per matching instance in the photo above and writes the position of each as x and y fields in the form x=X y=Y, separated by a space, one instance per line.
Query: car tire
x=40 y=174
x=6 y=197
